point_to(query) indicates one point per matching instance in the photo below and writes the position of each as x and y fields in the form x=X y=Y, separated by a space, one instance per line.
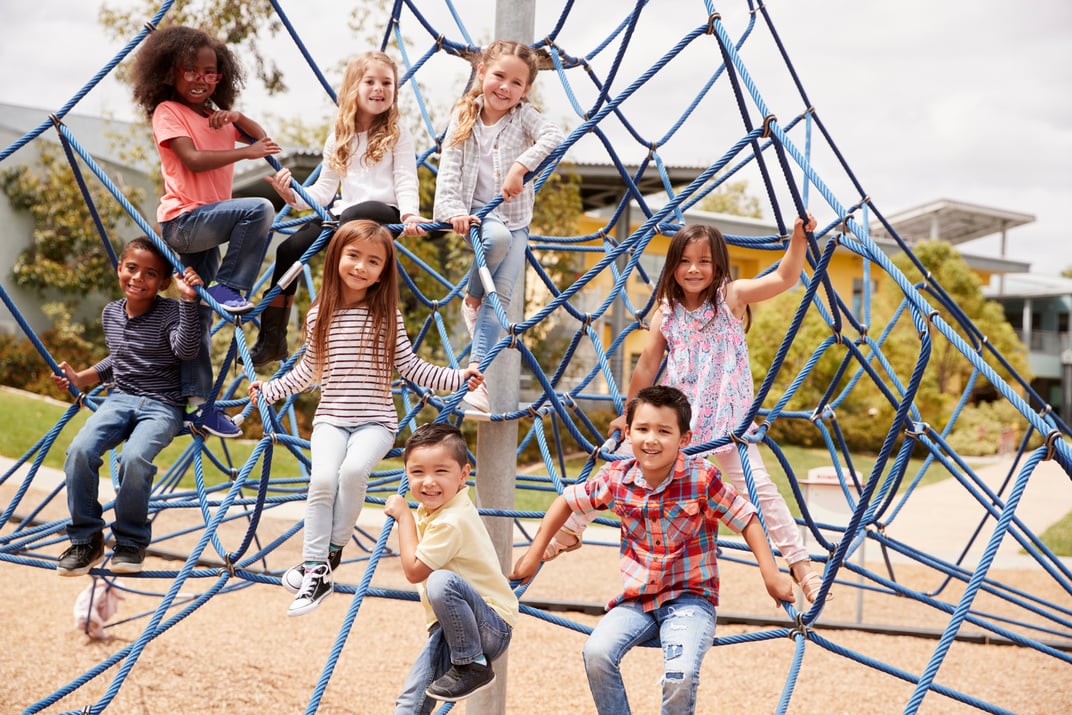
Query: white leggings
x=782 y=528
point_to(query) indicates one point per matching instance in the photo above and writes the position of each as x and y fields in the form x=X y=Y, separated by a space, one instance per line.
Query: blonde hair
x=466 y=107
x=380 y=331
x=383 y=131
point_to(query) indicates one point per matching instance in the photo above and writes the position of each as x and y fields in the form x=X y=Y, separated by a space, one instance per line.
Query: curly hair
x=382 y=133
x=467 y=108
x=167 y=50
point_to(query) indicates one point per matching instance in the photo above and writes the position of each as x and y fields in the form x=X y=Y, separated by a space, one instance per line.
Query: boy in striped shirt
x=669 y=505
x=147 y=336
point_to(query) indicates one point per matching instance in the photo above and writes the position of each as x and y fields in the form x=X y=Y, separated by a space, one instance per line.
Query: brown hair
x=433 y=433
x=662 y=396
x=382 y=133
x=379 y=334
x=164 y=53
x=668 y=287
x=467 y=108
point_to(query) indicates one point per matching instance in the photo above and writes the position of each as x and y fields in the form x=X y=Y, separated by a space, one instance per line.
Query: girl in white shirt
x=355 y=338
x=370 y=155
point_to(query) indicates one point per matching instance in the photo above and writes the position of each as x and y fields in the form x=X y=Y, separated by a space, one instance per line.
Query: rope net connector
x=767 y=122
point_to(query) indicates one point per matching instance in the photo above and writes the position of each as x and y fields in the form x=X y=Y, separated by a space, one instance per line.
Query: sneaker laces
x=309 y=581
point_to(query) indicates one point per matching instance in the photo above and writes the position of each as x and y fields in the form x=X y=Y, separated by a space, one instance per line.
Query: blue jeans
x=504 y=253
x=148 y=426
x=243 y=224
x=467 y=629
x=342 y=459
x=685 y=627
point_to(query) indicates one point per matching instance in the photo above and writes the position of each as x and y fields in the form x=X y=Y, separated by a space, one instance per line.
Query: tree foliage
x=67 y=254
x=732 y=198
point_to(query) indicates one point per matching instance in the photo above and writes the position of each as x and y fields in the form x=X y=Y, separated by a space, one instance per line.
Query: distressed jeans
x=504 y=254
x=685 y=628
x=467 y=627
x=148 y=426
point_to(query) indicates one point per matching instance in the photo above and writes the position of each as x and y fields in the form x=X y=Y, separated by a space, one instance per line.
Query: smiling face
x=504 y=82
x=656 y=437
x=375 y=93
x=142 y=274
x=360 y=266
x=695 y=272
x=195 y=92
x=435 y=475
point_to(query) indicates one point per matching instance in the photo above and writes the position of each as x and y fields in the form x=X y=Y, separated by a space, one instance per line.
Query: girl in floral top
x=700 y=326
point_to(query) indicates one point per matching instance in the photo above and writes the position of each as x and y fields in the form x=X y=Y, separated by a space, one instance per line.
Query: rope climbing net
x=782 y=146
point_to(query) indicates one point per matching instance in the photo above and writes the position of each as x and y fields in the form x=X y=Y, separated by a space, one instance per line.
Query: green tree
x=731 y=198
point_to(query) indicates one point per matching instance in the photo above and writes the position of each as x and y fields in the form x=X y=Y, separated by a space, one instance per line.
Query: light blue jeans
x=504 y=253
x=685 y=627
x=242 y=224
x=148 y=426
x=342 y=459
x=467 y=628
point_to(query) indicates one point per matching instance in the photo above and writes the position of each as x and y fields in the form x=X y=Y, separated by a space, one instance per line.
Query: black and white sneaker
x=127 y=559
x=78 y=559
x=291 y=579
x=316 y=585
x=460 y=682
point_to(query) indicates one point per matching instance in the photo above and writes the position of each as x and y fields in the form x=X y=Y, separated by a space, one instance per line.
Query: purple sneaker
x=229 y=299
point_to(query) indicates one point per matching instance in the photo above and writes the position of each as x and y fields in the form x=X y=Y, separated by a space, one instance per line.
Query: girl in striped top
x=354 y=337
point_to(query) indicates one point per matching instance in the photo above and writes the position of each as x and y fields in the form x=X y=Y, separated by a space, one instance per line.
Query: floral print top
x=707 y=359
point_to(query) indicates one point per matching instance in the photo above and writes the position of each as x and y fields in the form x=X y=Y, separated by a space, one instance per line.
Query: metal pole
x=496 y=445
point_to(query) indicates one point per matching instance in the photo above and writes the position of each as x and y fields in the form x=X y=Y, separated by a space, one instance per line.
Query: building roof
x=950 y=221
x=1032 y=285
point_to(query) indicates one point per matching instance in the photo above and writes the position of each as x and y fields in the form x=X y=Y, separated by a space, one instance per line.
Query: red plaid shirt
x=668 y=533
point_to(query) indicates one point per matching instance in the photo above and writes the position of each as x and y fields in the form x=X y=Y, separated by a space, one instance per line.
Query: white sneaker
x=478 y=399
x=317 y=584
x=469 y=316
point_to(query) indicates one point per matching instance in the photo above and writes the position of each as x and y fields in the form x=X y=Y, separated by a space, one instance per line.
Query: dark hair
x=668 y=287
x=165 y=51
x=433 y=433
x=662 y=396
x=144 y=243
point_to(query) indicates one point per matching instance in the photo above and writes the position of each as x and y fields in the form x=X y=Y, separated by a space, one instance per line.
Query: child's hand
x=186 y=282
x=474 y=377
x=780 y=588
x=255 y=390
x=411 y=225
x=618 y=423
x=515 y=181
x=222 y=117
x=799 y=228
x=395 y=506
x=526 y=566
x=281 y=183
x=461 y=224
x=68 y=378
x=262 y=148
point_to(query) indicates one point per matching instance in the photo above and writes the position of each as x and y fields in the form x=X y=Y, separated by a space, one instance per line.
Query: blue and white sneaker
x=230 y=299
x=214 y=421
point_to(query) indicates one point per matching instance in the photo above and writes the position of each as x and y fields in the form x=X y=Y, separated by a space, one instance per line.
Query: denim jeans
x=242 y=224
x=685 y=627
x=504 y=253
x=148 y=426
x=342 y=459
x=467 y=628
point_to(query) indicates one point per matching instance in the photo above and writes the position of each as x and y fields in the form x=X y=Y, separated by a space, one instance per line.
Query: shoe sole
x=457 y=698
x=125 y=568
x=308 y=608
x=80 y=571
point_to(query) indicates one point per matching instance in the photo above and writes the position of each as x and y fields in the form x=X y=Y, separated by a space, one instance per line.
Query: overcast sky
x=961 y=99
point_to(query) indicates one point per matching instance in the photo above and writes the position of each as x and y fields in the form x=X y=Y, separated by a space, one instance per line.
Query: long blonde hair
x=383 y=131
x=466 y=107
x=379 y=333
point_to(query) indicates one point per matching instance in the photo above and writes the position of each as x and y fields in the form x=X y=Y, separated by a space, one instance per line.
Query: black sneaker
x=80 y=558
x=316 y=585
x=460 y=682
x=127 y=559
x=291 y=580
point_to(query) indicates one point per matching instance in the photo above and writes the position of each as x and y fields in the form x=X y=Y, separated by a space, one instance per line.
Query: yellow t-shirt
x=453 y=537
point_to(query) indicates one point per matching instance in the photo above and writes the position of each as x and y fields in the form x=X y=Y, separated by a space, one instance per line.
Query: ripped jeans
x=685 y=628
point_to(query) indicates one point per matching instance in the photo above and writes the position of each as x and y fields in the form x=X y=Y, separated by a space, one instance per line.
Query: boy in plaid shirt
x=670 y=505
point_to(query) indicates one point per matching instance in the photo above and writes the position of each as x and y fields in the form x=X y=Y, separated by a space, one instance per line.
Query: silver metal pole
x=496 y=450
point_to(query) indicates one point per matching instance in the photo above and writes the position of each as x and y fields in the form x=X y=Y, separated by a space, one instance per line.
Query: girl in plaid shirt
x=670 y=505
x=494 y=138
